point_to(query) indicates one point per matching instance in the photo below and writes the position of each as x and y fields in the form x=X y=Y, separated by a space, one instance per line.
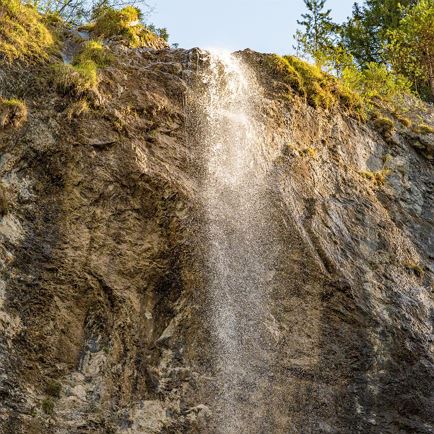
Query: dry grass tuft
x=13 y=112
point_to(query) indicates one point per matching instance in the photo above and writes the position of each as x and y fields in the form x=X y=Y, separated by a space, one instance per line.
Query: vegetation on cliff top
x=23 y=33
x=391 y=41
x=124 y=24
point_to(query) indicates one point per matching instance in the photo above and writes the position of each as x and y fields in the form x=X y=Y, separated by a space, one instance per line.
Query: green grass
x=13 y=112
x=76 y=79
x=123 y=24
x=93 y=51
x=23 y=34
x=320 y=90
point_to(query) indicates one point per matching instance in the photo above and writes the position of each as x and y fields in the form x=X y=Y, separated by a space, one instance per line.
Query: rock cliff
x=103 y=319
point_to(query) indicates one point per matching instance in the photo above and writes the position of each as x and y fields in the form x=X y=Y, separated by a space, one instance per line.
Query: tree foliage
x=366 y=33
x=316 y=38
x=411 y=46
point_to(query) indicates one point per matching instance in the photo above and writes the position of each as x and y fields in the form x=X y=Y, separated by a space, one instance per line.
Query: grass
x=424 y=129
x=81 y=76
x=48 y=406
x=93 y=51
x=377 y=178
x=77 y=108
x=320 y=90
x=23 y=34
x=53 y=388
x=76 y=80
x=383 y=124
x=13 y=112
x=404 y=120
x=4 y=205
x=123 y=24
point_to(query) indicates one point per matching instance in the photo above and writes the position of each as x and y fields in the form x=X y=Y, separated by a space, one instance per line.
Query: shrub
x=13 y=112
x=48 y=406
x=53 y=388
x=123 y=24
x=23 y=35
x=376 y=81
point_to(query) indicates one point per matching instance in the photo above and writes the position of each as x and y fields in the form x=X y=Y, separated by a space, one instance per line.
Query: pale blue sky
x=262 y=25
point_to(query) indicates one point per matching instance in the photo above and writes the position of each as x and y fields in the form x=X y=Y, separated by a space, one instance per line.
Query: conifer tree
x=316 y=35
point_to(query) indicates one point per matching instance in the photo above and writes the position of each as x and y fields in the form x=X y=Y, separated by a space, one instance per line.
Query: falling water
x=236 y=233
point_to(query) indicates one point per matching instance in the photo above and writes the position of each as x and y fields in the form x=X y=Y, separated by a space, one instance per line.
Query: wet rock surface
x=102 y=284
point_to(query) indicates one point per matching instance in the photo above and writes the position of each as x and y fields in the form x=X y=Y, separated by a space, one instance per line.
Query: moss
x=77 y=108
x=417 y=269
x=78 y=79
x=48 y=406
x=53 y=388
x=13 y=112
x=93 y=51
x=310 y=152
x=377 y=178
x=320 y=90
x=23 y=34
x=424 y=129
x=123 y=24
x=4 y=204
x=382 y=123
x=405 y=121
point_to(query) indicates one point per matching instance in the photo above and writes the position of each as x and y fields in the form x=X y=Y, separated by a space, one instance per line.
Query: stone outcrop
x=102 y=287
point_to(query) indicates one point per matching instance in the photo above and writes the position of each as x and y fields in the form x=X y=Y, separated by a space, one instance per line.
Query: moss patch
x=13 y=112
x=377 y=178
x=424 y=129
x=23 y=34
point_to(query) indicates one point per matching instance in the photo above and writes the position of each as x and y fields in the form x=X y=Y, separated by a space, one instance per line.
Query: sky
x=262 y=25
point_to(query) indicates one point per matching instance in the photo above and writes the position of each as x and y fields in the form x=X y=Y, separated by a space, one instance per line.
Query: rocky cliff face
x=103 y=317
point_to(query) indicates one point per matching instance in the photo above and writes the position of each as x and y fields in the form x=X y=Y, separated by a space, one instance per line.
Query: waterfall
x=237 y=244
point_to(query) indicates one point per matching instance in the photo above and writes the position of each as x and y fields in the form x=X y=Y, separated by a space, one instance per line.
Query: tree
x=366 y=33
x=411 y=46
x=318 y=34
